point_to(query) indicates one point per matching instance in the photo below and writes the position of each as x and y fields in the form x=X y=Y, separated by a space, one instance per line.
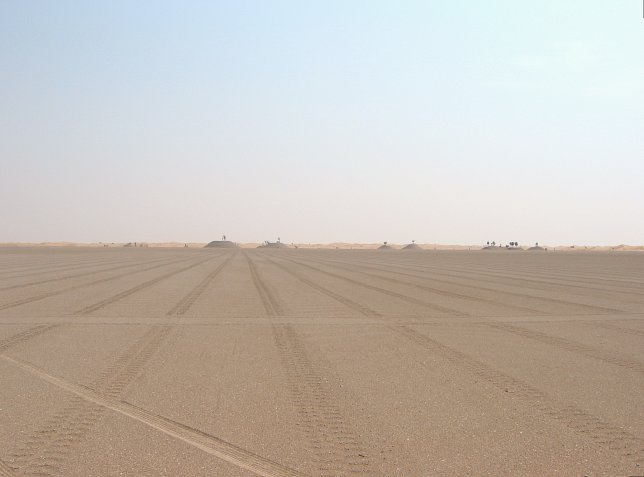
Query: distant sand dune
x=333 y=245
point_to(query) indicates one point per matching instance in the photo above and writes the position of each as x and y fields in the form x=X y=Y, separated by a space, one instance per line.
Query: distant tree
x=413 y=241
x=516 y=244
x=385 y=243
x=536 y=244
x=488 y=243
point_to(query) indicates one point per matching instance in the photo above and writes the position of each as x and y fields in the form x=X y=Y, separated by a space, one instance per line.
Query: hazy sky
x=439 y=121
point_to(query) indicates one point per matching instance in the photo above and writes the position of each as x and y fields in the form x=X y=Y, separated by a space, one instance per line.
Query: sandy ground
x=148 y=361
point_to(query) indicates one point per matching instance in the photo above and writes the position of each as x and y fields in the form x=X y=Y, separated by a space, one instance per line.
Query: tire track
x=437 y=291
x=84 y=274
x=560 y=274
x=565 y=344
x=548 y=286
x=7 y=343
x=5 y=470
x=504 y=292
x=42 y=296
x=337 y=449
x=201 y=440
x=114 y=381
x=39 y=270
x=131 y=291
x=616 y=439
x=568 y=345
x=384 y=291
x=335 y=446
x=604 y=434
x=48 y=448
x=363 y=310
x=184 y=305
x=271 y=304
x=514 y=277
x=612 y=327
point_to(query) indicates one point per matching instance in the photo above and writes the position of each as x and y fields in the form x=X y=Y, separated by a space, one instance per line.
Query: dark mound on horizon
x=412 y=246
x=273 y=245
x=536 y=248
x=221 y=244
x=385 y=247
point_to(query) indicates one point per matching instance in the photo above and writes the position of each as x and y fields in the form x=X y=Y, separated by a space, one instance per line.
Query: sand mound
x=412 y=246
x=221 y=244
x=273 y=245
x=536 y=248
x=385 y=247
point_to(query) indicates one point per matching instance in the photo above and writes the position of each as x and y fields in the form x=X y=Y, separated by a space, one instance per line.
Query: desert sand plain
x=318 y=362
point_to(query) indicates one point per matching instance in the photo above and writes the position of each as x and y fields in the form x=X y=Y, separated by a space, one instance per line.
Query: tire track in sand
x=509 y=279
x=363 y=310
x=613 y=327
x=626 y=444
x=522 y=296
x=50 y=446
x=5 y=470
x=437 y=291
x=7 y=343
x=603 y=433
x=135 y=289
x=184 y=305
x=568 y=345
x=336 y=447
x=83 y=274
x=47 y=449
x=558 y=301
x=42 y=296
x=384 y=291
x=201 y=440
x=39 y=270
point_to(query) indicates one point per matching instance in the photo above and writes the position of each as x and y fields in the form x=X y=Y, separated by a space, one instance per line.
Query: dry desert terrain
x=208 y=362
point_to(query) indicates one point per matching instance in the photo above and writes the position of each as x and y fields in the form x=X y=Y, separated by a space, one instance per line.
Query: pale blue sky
x=451 y=122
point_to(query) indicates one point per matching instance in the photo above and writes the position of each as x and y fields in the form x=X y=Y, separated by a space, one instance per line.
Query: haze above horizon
x=443 y=122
